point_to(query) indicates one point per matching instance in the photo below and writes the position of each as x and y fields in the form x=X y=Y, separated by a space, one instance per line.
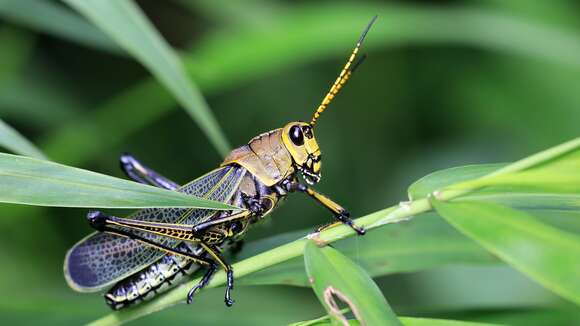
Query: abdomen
x=156 y=278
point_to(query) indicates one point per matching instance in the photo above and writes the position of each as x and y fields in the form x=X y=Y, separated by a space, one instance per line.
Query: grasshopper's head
x=298 y=138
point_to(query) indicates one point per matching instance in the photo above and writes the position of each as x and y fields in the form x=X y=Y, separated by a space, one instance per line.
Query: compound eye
x=296 y=135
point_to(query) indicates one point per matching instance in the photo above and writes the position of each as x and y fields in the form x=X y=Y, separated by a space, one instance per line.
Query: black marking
x=307 y=130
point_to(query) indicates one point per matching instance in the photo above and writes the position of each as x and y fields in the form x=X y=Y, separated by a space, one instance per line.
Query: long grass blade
x=49 y=17
x=547 y=255
x=125 y=23
x=30 y=181
x=15 y=142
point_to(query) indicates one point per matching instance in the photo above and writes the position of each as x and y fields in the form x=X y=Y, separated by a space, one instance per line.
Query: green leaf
x=124 y=22
x=559 y=153
x=551 y=169
x=545 y=254
x=336 y=280
x=522 y=197
x=15 y=142
x=422 y=243
x=568 y=220
x=56 y=20
x=551 y=178
x=528 y=200
x=440 y=179
x=36 y=182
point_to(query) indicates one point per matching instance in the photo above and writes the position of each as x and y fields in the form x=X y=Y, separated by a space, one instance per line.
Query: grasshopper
x=153 y=249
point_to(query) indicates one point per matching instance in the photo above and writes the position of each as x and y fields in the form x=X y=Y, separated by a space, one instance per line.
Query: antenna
x=344 y=75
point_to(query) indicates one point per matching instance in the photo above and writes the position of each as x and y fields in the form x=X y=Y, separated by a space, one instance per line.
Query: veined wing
x=102 y=259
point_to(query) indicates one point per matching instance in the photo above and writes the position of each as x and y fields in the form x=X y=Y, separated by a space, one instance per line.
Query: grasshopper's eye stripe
x=296 y=135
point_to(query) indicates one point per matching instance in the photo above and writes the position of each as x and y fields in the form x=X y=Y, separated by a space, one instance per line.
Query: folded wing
x=102 y=259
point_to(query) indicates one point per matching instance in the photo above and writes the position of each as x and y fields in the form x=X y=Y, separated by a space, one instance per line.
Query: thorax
x=265 y=157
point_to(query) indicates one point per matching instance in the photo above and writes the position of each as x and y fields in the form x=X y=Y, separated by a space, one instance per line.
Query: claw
x=359 y=230
x=190 y=295
x=229 y=287
x=203 y=282
x=344 y=217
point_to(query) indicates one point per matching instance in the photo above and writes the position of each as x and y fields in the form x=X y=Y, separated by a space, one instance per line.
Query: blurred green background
x=446 y=83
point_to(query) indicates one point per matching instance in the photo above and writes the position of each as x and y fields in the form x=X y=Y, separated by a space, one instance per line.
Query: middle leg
x=213 y=252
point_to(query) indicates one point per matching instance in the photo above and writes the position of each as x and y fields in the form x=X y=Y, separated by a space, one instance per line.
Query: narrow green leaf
x=567 y=220
x=557 y=179
x=422 y=243
x=440 y=179
x=336 y=280
x=46 y=16
x=530 y=201
x=550 y=170
x=124 y=22
x=15 y=142
x=545 y=254
x=530 y=195
x=31 y=181
x=548 y=156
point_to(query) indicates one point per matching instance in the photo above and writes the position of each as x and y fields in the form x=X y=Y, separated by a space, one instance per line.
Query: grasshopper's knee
x=97 y=220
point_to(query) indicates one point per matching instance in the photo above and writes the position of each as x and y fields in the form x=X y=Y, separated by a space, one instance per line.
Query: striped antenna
x=344 y=75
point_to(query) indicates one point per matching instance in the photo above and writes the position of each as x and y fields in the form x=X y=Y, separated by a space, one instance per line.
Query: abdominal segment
x=162 y=275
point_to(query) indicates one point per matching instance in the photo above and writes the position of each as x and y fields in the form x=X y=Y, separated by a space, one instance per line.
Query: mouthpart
x=308 y=175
